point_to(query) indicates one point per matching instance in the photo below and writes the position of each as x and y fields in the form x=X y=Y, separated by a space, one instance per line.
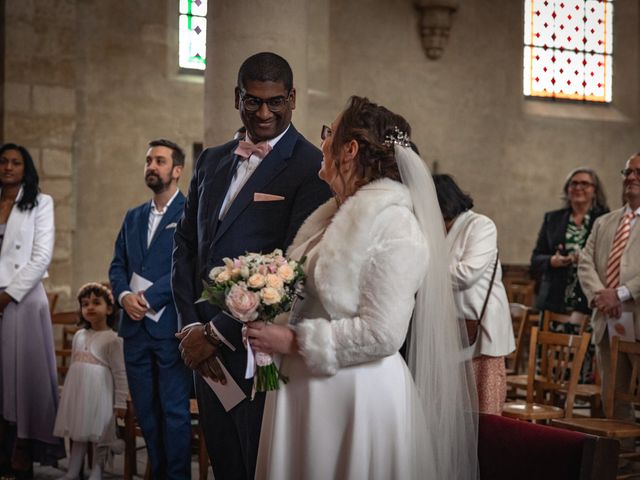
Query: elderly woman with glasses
x=563 y=234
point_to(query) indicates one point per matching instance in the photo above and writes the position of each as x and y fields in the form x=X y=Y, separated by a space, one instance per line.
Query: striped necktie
x=619 y=243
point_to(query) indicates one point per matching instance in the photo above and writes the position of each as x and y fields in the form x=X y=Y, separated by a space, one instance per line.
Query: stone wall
x=40 y=109
x=87 y=84
x=467 y=110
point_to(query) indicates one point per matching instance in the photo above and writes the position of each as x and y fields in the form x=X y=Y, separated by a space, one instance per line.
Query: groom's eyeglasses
x=274 y=104
x=326 y=132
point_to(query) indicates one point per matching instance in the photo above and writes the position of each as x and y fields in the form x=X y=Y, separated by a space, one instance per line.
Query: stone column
x=237 y=29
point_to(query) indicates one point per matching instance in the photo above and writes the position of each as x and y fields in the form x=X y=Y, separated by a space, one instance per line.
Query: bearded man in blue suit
x=140 y=275
x=244 y=197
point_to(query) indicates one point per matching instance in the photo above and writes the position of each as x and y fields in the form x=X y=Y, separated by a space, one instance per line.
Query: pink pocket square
x=266 y=197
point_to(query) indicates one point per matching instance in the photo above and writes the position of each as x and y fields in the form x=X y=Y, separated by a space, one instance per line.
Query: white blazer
x=473 y=247
x=27 y=247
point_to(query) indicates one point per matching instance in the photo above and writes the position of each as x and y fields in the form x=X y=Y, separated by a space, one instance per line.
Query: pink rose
x=242 y=303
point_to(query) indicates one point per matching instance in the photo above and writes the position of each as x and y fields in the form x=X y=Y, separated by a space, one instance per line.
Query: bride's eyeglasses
x=326 y=132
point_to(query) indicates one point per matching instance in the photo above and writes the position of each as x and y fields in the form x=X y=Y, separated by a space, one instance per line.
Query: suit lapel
x=143 y=226
x=561 y=229
x=14 y=225
x=172 y=214
x=634 y=234
x=268 y=169
x=218 y=183
x=608 y=234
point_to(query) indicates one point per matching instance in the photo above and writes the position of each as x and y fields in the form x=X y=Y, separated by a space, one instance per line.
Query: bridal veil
x=437 y=354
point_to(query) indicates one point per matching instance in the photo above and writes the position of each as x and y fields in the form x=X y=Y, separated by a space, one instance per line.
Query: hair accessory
x=99 y=286
x=398 y=137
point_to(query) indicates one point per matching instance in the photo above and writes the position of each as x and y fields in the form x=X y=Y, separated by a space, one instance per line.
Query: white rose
x=256 y=281
x=223 y=276
x=213 y=274
x=270 y=296
x=244 y=272
x=274 y=281
x=286 y=273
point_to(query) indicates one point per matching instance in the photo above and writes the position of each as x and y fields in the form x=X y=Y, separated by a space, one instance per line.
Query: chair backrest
x=52 y=297
x=550 y=318
x=560 y=363
x=520 y=291
x=520 y=318
x=630 y=394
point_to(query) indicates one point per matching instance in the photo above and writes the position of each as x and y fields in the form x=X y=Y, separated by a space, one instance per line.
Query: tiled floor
x=111 y=472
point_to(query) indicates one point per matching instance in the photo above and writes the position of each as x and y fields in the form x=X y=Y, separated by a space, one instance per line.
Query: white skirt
x=86 y=412
x=362 y=423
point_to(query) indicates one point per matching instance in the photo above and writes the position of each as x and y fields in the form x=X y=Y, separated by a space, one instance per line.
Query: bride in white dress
x=375 y=257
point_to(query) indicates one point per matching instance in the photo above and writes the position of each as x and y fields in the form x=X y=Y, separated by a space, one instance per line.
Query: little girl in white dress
x=95 y=388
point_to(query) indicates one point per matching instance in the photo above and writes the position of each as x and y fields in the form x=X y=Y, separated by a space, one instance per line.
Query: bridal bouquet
x=254 y=287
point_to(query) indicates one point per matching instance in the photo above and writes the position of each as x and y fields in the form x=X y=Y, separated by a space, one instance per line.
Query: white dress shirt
x=155 y=217
x=622 y=291
x=243 y=173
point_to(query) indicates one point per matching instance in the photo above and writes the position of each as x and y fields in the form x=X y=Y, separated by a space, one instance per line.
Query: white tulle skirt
x=362 y=423
x=86 y=407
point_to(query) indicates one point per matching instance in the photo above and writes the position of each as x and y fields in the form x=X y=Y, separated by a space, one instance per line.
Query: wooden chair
x=52 y=297
x=516 y=382
x=611 y=427
x=521 y=327
x=520 y=291
x=132 y=430
x=550 y=318
x=66 y=323
x=588 y=392
x=561 y=359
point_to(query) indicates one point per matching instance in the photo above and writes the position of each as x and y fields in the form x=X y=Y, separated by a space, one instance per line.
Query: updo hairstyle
x=369 y=124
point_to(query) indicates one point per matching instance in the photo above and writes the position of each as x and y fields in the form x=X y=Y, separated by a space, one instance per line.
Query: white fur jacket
x=371 y=262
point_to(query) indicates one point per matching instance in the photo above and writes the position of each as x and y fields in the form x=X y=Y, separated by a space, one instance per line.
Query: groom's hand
x=194 y=347
x=211 y=368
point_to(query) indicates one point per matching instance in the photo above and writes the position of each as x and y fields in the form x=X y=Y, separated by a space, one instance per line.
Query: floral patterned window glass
x=192 y=36
x=568 y=49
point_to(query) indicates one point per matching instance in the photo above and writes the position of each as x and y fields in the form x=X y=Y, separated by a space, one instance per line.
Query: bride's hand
x=270 y=338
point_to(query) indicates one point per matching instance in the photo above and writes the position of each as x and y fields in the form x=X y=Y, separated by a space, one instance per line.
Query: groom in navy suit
x=245 y=196
x=140 y=274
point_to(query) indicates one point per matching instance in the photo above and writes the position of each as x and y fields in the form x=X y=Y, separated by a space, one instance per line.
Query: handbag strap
x=486 y=300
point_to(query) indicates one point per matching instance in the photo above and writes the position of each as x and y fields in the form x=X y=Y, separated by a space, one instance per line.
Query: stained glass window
x=192 y=36
x=568 y=49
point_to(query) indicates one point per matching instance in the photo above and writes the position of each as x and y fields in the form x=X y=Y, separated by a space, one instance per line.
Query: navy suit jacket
x=290 y=171
x=152 y=262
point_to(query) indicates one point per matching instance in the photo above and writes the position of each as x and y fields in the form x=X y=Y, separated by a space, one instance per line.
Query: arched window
x=192 y=35
x=568 y=49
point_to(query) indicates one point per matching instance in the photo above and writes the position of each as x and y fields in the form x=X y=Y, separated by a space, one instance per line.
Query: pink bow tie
x=246 y=149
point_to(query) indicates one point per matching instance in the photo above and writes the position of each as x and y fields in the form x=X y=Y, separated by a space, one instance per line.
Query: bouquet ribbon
x=251 y=359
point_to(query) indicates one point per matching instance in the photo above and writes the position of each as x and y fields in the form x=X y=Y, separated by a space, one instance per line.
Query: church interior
x=86 y=84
